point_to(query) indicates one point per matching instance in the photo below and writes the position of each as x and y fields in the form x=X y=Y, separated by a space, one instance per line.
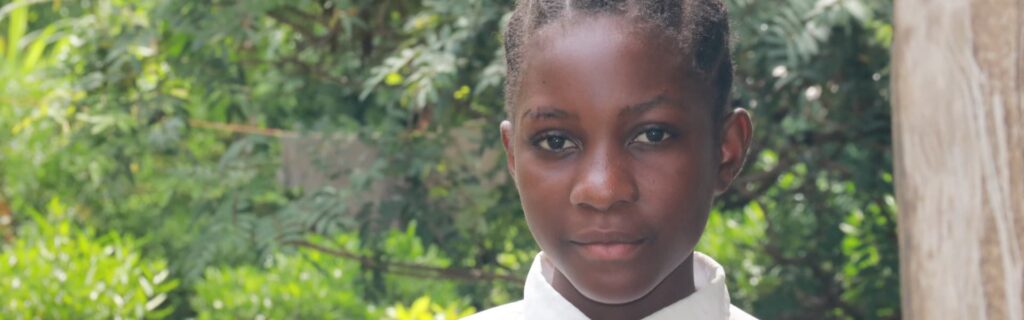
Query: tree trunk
x=958 y=128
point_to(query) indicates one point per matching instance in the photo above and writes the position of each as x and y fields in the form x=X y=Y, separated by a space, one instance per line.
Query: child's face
x=614 y=155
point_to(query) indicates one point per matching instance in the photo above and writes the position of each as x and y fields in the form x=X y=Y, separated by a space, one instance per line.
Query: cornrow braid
x=701 y=28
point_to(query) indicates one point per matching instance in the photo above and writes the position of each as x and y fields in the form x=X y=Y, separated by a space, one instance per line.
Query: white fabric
x=542 y=302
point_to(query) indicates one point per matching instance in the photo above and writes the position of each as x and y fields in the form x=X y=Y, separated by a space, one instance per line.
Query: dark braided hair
x=700 y=27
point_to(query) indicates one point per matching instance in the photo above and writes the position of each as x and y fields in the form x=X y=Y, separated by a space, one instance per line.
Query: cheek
x=690 y=171
x=544 y=192
x=677 y=188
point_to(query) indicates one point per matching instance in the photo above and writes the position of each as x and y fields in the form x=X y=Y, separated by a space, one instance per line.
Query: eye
x=555 y=143
x=652 y=136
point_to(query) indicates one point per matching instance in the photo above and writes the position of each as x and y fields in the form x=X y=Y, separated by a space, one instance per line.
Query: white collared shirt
x=542 y=302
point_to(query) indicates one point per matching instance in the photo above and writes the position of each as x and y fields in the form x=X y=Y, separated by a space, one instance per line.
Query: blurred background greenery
x=340 y=159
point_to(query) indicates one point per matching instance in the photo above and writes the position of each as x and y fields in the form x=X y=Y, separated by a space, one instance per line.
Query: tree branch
x=280 y=16
x=316 y=71
x=411 y=269
x=764 y=181
x=243 y=128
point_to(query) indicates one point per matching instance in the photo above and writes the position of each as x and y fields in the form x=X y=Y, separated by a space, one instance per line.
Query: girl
x=618 y=138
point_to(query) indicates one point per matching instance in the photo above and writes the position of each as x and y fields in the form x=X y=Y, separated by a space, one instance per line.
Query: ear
x=506 y=140
x=736 y=134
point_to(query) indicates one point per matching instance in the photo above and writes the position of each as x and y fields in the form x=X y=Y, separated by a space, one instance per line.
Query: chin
x=615 y=289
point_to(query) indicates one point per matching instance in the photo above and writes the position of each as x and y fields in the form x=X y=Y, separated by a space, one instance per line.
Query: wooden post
x=958 y=129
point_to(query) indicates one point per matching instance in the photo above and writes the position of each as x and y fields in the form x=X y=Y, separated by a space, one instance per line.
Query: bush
x=309 y=284
x=292 y=288
x=425 y=309
x=58 y=271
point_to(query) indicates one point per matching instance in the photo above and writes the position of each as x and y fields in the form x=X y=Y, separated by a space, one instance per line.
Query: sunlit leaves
x=61 y=271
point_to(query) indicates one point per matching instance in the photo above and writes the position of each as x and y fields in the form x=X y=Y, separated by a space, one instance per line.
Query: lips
x=608 y=245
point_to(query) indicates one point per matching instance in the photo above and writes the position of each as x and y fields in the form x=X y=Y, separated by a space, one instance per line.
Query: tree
x=959 y=128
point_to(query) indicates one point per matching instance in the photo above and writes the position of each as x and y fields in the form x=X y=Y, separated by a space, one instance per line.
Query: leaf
x=16 y=29
x=35 y=50
x=394 y=79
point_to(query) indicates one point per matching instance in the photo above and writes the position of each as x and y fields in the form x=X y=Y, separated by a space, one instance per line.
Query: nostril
x=604 y=190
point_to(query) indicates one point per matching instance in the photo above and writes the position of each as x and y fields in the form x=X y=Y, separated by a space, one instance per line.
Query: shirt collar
x=710 y=301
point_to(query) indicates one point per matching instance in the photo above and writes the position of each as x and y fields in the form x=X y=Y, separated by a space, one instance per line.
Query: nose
x=604 y=181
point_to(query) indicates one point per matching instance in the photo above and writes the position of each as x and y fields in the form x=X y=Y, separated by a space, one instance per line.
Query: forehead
x=604 y=59
x=581 y=28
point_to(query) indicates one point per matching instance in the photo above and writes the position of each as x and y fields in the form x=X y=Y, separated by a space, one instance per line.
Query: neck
x=676 y=286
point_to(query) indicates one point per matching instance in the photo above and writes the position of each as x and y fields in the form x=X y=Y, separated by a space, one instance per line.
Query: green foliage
x=314 y=285
x=425 y=309
x=734 y=240
x=815 y=74
x=61 y=271
x=160 y=120
x=292 y=288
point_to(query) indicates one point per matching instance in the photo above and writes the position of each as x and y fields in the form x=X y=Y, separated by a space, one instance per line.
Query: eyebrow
x=550 y=112
x=546 y=112
x=640 y=108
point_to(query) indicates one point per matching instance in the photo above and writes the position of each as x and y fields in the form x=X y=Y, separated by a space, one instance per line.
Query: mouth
x=608 y=246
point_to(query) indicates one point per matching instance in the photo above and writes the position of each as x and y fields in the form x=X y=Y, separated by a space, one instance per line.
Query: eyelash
x=666 y=134
x=561 y=139
x=545 y=138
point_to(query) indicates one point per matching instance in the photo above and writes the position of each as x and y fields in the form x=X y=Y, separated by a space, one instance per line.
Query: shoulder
x=513 y=310
x=738 y=314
